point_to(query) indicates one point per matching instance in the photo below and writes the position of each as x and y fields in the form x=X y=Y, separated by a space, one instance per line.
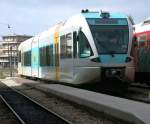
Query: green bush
x=5 y=72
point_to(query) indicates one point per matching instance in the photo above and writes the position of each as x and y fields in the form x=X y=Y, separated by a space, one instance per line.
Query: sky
x=33 y=16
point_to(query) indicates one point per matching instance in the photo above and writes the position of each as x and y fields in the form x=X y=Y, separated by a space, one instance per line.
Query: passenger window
x=51 y=55
x=75 y=40
x=46 y=56
x=66 y=46
x=142 y=40
x=63 y=46
x=27 y=58
x=19 y=56
x=69 y=45
x=84 y=46
x=42 y=56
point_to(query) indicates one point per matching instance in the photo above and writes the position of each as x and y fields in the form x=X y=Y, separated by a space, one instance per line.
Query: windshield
x=111 y=39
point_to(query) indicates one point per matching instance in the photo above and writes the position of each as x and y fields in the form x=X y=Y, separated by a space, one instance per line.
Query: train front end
x=112 y=36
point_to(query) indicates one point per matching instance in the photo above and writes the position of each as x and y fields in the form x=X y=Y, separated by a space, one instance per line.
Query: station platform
x=127 y=110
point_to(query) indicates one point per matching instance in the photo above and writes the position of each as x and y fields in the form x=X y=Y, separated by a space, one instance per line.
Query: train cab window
x=84 y=46
x=66 y=45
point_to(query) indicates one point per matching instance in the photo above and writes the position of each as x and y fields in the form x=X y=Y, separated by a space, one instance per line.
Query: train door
x=81 y=53
x=35 y=57
x=66 y=57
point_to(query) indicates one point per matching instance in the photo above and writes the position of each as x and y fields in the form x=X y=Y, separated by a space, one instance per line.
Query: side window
x=47 y=50
x=148 y=39
x=75 y=44
x=63 y=46
x=22 y=58
x=69 y=45
x=51 y=55
x=42 y=56
x=46 y=56
x=142 y=39
x=19 y=56
x=84 y=46
x=66 y=45
x=27 y=58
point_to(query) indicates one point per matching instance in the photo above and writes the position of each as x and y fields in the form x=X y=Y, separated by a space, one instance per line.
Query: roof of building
x=16 y=35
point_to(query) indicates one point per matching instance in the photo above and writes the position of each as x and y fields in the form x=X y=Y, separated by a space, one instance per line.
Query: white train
x=88 y=47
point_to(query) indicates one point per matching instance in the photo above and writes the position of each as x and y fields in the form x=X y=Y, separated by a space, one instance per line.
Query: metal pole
x=8 y=55
x=10 y=61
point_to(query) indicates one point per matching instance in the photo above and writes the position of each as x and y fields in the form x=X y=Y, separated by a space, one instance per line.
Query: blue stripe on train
x=116 y=58
x=97 y=15
x=35 y=58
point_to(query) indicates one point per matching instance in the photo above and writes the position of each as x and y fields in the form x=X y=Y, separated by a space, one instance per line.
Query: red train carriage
x=141 y=51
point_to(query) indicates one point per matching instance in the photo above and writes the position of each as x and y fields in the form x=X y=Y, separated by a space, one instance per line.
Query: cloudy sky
x=33 y=16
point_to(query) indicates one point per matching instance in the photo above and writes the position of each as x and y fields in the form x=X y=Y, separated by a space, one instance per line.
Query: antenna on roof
x=84 y=11
x=9 y=26
x=105 y=14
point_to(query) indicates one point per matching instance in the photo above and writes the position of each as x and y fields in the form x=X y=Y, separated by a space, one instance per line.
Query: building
x=9 y=49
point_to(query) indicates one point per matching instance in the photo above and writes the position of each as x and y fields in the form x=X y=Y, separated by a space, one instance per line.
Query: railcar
x=91 y=46
x=141 y=51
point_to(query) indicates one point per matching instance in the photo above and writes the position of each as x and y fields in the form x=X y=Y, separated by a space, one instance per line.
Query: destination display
x=107 y=21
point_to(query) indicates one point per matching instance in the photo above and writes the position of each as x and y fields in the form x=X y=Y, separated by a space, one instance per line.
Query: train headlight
x=96 y=59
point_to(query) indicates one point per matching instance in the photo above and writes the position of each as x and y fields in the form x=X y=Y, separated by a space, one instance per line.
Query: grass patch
x=5 y=72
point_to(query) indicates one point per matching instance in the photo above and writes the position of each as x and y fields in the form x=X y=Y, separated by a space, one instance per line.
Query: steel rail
x=50 y=111
x=13 y=111
x=28 y=99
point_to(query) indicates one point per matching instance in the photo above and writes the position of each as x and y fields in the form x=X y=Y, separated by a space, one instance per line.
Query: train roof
x=98 y=14
x=143 y=26
x=76 y=21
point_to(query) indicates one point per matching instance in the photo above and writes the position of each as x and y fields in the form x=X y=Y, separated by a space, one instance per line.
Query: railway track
x=6 y=115
x=139 y=93
x=28 y=111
